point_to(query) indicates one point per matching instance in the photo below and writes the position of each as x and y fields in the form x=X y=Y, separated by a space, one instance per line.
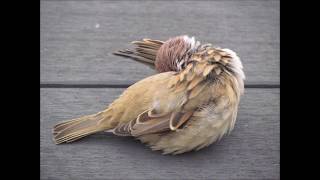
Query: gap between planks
x=126 y=85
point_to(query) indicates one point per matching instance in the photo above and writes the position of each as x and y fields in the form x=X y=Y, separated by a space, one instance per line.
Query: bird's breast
x=206 y=126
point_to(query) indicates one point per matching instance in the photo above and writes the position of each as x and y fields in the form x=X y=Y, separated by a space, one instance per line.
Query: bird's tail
x=145 y=51
x=75 y=129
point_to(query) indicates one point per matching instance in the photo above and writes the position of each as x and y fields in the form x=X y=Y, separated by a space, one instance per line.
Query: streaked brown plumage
x=190 y=104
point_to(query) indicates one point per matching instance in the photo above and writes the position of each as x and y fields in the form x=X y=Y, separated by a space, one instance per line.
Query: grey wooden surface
x=73 y=49
x=77 y=38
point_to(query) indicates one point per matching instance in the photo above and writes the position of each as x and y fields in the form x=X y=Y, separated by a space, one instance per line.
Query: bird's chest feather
x=206 y=126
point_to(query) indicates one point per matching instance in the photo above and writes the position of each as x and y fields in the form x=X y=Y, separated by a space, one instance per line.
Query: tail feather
x=75 y=129
x=145 y=52
x=65 y=124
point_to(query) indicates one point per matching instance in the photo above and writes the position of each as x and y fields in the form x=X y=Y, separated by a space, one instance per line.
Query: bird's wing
x=148 y=124
x=145 y=51
x=173 y=103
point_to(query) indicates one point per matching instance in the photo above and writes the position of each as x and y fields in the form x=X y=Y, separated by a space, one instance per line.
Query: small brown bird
x=191 y=103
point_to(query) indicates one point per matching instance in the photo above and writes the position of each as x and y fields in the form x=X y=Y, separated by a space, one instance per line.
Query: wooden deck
x=79 y=76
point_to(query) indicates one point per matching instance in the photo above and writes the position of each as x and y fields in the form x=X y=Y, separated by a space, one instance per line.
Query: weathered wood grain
x=251 y=151
x=77 y=37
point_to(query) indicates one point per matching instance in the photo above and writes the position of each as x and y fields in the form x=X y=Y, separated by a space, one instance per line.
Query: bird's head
x=175 y=53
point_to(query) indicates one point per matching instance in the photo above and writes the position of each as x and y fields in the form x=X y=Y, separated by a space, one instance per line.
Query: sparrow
x=189 y=104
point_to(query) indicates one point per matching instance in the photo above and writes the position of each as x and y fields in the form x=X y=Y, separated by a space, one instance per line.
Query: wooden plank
x=78 y=37
x=251 y=151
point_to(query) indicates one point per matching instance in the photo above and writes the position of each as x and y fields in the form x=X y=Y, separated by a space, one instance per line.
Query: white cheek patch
x=192 y=42
x=179 y=64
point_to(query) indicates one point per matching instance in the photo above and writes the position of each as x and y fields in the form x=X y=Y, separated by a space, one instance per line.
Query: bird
x=190 y=103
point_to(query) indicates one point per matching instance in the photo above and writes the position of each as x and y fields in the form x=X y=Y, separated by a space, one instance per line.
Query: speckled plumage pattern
x=191 y=104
